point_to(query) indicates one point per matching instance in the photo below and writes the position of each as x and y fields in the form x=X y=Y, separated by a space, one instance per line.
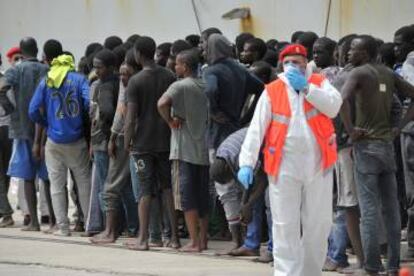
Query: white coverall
x=301 y=194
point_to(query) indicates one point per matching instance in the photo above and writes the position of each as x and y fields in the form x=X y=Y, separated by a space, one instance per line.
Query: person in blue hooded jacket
x=60 y=104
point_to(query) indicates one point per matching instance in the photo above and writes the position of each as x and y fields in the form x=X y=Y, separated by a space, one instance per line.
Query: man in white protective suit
x=293 y=117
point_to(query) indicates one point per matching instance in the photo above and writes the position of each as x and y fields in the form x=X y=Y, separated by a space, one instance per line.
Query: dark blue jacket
x=227 y=86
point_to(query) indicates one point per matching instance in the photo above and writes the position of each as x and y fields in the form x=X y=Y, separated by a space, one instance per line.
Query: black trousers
x=5 y=154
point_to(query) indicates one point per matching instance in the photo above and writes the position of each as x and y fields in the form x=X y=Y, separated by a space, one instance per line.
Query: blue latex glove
x=245 y=176
x=296 y=79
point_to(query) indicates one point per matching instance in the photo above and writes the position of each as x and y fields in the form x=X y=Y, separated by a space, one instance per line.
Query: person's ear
x=187 y=68
x=255 y=55
x=366 y=55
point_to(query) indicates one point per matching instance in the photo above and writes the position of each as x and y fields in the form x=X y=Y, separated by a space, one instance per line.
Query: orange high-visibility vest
x=322 y=127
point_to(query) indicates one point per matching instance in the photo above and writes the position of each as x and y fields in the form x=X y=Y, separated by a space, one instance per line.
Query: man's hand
x=357 y=133
x=94 y=123
x=220 y=118
x=127 y=147
x=245 y=176
x=112 y=148
x=42 y=152
x=396 y=131
x=36 y=151
x=246 y=214
x=175 y=123
x=90 y=152
x=296 y=79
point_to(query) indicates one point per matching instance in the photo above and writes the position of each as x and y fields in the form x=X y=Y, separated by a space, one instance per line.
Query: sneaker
x=350 y=269
x=51 y=229
x=79 y=227
x=244 y=252
x=6 y=222
x=329 y=265
x=265 y=257
x=61 y=233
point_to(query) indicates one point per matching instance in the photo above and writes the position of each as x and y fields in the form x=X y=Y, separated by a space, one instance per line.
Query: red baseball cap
x=293 y=50
x=12 y=51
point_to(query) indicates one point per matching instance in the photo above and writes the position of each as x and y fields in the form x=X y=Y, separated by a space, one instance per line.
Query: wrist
x=349 y=129
x=113 y=137
x=170 y=122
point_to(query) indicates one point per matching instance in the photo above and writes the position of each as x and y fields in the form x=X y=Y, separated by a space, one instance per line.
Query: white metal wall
x=79 y=22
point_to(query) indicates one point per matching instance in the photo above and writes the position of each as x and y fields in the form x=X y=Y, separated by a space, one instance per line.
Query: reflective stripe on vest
x=320 y=124
x=280 y=118
x=312 y=113
x=286 y=120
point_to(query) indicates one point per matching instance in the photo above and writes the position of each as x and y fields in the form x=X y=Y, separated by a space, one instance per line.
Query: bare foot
x=203 y=245
x=190 y=248
x=137 y=245
x=156 y=244
x=102 y=238
x=31 y=227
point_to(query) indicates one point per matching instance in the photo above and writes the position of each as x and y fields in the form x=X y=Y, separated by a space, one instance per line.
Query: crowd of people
x=305 y=144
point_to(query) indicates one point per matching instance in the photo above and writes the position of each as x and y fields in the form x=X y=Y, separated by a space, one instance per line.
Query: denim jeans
x=376 y=183
x=407 y=149
x=95 y=222
x=101 y=159
x=254 y=228
x=338 y=240
x=130 y=206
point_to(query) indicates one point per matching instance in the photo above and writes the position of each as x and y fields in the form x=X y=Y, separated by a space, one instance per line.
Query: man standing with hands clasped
x=293 y=117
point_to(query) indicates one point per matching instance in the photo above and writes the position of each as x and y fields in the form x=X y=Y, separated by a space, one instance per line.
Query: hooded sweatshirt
x=218 y=48
x=227 y=86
